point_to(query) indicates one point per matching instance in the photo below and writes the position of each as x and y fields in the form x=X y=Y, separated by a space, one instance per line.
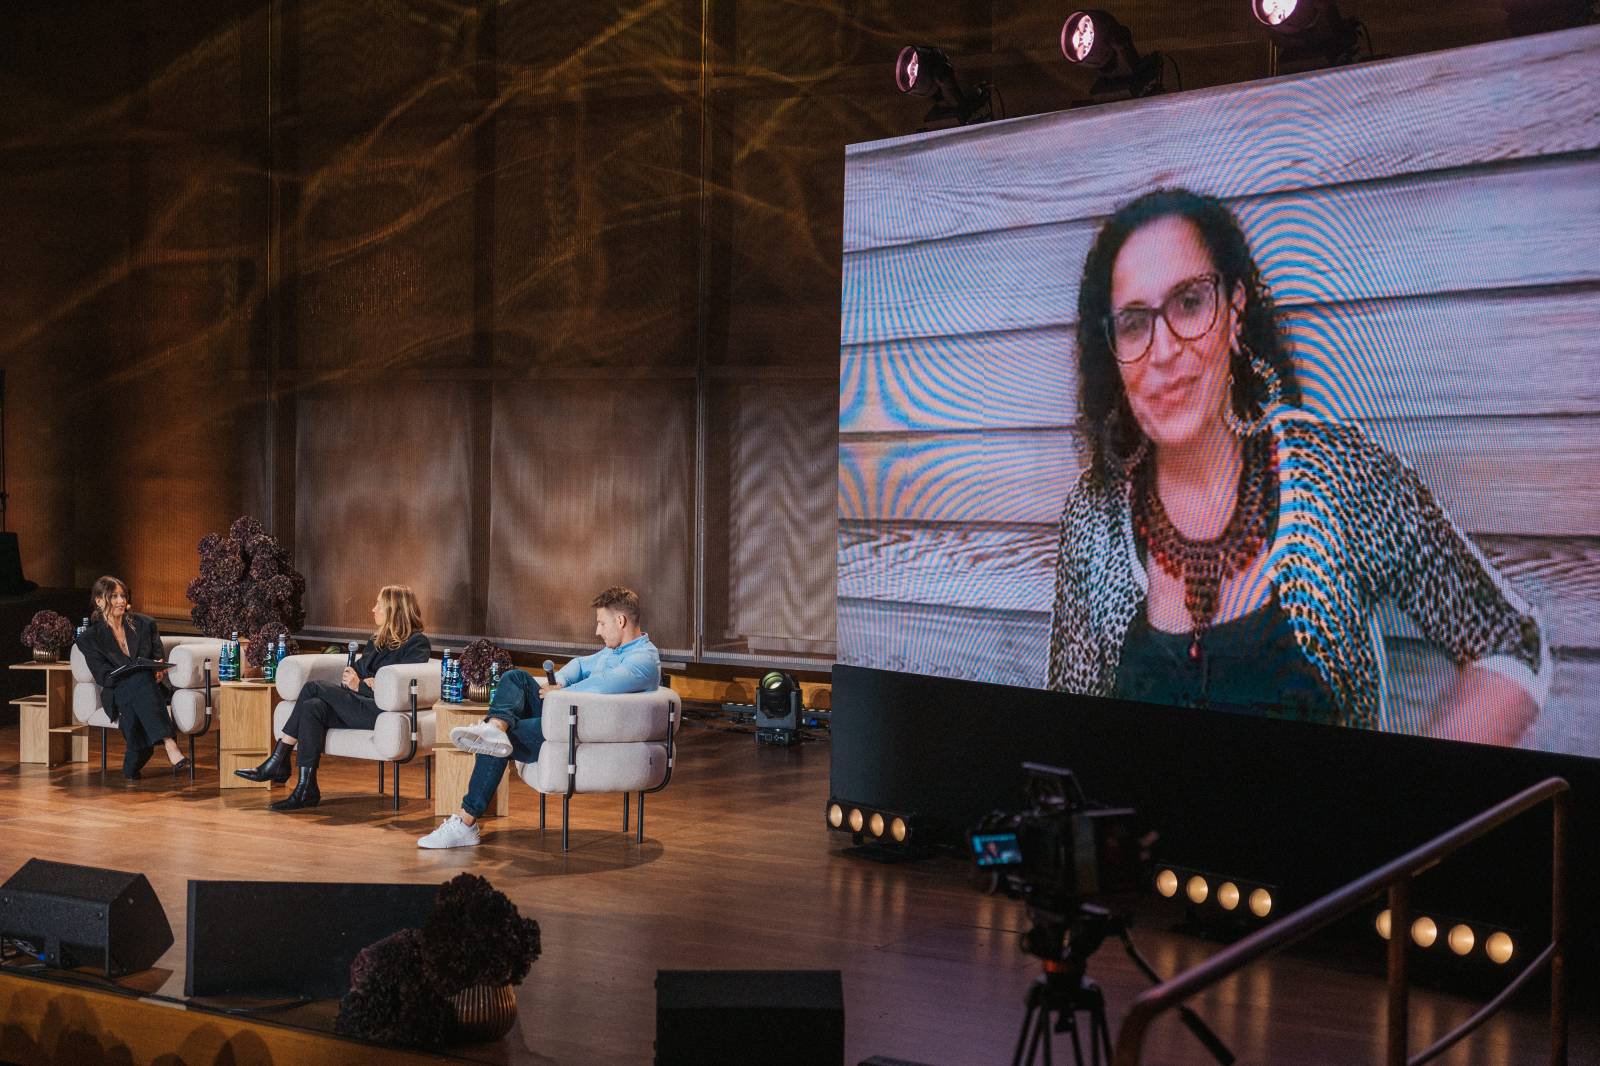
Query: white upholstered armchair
x=405 y=694
x=193 y=676
x=602 y=742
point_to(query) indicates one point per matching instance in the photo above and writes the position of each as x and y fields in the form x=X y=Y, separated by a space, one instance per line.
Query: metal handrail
x=1396 y=877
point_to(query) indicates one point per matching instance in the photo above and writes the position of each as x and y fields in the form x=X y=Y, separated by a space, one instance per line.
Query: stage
x=736 y=872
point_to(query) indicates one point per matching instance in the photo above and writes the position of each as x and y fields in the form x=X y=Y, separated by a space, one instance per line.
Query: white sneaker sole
x=468 y=739
x=423 y=843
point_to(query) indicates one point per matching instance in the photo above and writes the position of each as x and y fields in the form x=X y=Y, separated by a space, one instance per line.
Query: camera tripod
x=1065 y=991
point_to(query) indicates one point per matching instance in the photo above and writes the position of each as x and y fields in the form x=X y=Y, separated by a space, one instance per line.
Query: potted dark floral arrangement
x=48 y=634
x=452 y=981
x=477 y=667
x=247 y=584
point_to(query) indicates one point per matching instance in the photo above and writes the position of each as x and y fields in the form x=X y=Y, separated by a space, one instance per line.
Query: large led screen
x=1280 y=398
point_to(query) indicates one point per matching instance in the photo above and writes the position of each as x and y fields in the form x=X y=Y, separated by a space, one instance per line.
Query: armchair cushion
x=611 y=718
x=187 y=656
x=296 y=670
x=601 y=768
x=387 y=740
x=391 y=688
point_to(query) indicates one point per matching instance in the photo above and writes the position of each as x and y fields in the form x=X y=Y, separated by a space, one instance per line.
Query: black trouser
x=323 y=706
x=142 y=712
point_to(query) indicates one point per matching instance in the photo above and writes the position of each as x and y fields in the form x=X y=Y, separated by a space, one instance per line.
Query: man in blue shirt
x=515 y=729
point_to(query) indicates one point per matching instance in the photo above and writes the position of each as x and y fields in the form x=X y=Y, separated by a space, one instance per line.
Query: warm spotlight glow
x=1384 y=924
x=1167 y=883
x=857 y=819
x=1077 y=36
x=1424 y=932
x=1197 y=889
x=899 y=830
x=1227 y=895
x=1498 y=947
x=875 y=824
x=1461 y=939
x=1261 y=903
x=835 y=815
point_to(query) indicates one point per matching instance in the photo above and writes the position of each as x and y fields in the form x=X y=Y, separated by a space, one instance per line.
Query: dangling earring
x=1262 y=371
x=1110 y=430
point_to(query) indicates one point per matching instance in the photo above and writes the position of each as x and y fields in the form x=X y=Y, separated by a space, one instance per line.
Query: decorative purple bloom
x=246 y=583
x=478 y=659
x=47 y=631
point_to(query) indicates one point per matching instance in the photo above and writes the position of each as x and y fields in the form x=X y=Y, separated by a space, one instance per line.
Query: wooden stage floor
x=736 y=871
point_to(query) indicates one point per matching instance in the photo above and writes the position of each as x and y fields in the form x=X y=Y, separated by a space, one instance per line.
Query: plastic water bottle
x=282 y=653
x=444 y=677
x=230 y=658
x=494 y=680
x=269 y=665
x=83 y=625
x=455 y=681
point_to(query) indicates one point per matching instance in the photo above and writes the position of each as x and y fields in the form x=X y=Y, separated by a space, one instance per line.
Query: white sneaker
x=481 y=738
x=454 y=833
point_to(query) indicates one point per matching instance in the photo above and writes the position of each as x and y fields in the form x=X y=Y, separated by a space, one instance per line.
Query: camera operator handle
x=1202 y=1032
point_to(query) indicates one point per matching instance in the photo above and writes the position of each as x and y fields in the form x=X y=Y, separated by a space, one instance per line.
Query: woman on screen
x=1224 y=548
x=322 y=706
x=137 y=701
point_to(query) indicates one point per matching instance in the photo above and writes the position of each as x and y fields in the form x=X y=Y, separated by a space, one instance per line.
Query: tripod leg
x=1026 y=1031
x=1077 y=1051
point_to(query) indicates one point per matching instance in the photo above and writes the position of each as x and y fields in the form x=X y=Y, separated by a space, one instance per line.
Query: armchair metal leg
x=624 y=812
x=397 y=786
x=191 y=760
x=566 y=802
x=104 y=740
x=380 y=777
x=541 y=810
x=638 y=837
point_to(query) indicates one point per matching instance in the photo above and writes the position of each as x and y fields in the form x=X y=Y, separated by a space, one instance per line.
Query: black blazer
x=100 y=651
x=416 y=649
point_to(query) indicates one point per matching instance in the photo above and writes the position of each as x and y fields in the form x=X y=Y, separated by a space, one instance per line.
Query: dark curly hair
x=1100 y=391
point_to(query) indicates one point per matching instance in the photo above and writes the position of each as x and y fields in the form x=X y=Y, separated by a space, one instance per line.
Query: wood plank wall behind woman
x=1430 y=227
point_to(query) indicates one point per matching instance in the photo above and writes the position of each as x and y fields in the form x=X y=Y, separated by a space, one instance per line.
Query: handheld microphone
x=351 y=661
x=550 y=671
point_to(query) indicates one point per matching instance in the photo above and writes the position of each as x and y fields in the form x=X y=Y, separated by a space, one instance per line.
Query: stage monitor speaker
x=108 y=920
x=774 y=1017
x=290 y=938
x=11 y=580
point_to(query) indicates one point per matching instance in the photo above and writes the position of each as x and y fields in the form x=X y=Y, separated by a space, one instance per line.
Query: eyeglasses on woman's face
x=1190 y=310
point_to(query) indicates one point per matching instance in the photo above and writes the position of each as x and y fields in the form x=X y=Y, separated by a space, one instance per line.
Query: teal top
x=631 y=667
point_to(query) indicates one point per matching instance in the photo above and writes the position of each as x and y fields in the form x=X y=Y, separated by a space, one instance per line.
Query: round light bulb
x=1167 y=883
x=899 y=830
x=1424 y=932
x=1384 y=924
x=1260 y=903
x=1197 y=889
x=857 y=819
x=1227 y=895
x=875 y=824
x=1499 y=947
x=1461 y=939
x=835 y=815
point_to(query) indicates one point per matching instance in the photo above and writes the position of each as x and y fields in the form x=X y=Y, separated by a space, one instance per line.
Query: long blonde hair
x=401 y=616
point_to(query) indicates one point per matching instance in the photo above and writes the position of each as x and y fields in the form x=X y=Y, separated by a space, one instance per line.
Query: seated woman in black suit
x=137 y=702
x=348 y=705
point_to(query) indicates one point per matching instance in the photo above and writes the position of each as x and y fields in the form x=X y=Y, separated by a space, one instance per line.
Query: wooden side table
x=48 y=733
x=244 y=717
x=452 y=767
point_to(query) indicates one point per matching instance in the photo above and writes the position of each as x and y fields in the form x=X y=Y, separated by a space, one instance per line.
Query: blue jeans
x=516 y=702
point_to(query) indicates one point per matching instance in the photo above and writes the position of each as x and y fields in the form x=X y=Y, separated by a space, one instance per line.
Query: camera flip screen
x=996 y=849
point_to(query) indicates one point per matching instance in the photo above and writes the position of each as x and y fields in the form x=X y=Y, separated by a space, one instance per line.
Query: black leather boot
x=275 y=769
x=305 y=794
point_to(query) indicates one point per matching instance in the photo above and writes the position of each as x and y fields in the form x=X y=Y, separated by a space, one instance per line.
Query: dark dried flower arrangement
x=400 y=987
x=255 y=653
x=478 y=659
x=247 y=584
x=47 y=631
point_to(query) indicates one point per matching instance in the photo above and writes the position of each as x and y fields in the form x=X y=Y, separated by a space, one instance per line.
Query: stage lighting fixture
x=835 y=814
x=876 y=825
x=1461 y=939
x=857 y=819
x=1227 y=895
x=1302 y=29
x=1167 y=883
x=778 y=708
x=1197 y=890
x=1095 y=40
x=1424 y=931
x=1260 y=902
x=1384 y=923
x=922 y=70
x=1498 y=947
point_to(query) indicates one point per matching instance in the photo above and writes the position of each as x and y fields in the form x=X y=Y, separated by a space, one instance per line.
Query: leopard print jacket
x=1356 y=528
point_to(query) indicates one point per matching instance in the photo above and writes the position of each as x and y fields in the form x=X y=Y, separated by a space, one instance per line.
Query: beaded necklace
x=1203 y=565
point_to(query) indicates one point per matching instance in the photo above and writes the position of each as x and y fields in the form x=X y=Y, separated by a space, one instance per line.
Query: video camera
x=1061 y=848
